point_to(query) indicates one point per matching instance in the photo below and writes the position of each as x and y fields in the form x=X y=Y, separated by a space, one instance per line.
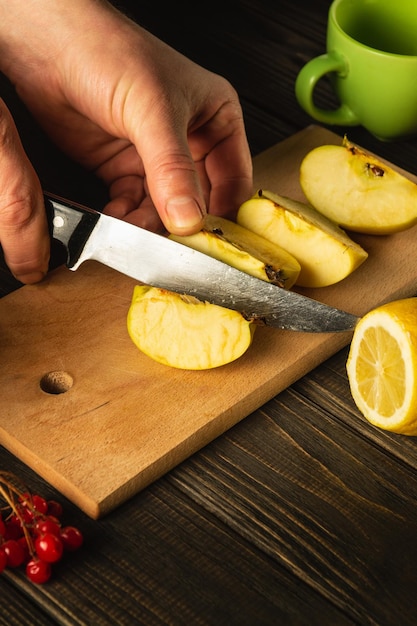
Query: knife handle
x=70 y=224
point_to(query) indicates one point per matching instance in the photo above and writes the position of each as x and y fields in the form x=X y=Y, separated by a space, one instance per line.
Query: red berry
x=48 y=525
x=23 y=542
x=2 y=527
x=54 y=508
x=38 y=571
x=72 y=538
x=40 y=504
x=49 y=547
x=3 y=559
x=13 y=528
x=14 y=553
x=25 y=516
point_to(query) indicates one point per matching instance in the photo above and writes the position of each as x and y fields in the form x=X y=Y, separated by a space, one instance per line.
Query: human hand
x=166 y=135
x=23 y=227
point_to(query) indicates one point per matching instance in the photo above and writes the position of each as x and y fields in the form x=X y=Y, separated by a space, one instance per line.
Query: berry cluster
x=31 y=531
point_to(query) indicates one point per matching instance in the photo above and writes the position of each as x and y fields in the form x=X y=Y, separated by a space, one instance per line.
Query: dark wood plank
x=165 y=559
x=260 y=47
x=16 y=608
x=328 y=387
x=337 y=510
x=301 y=491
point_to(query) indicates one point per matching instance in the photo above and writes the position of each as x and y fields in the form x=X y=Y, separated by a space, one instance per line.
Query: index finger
x=227 y=159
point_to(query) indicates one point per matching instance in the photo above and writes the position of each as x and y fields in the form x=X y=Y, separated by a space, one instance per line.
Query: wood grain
x=240 y=534
x=127 y=420
x=312 y=494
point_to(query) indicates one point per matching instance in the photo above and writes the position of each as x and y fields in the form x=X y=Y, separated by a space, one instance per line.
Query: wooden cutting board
x=127 y=420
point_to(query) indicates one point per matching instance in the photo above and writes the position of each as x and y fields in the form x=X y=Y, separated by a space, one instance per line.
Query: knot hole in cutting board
x=56 y=382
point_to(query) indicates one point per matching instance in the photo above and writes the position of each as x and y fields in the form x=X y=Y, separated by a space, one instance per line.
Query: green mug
x=371 y=61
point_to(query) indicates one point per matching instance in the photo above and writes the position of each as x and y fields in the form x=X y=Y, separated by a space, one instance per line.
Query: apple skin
x=358 y=191
x=183 y=332
x=325 y=252
x=244 y=250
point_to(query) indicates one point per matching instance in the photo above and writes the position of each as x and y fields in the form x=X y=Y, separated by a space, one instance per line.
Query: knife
x=161 y=262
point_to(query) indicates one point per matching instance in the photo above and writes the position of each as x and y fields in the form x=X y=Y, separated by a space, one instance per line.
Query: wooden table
x=301 y=514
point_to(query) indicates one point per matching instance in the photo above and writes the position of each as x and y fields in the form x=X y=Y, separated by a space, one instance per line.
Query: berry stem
x=10 y=493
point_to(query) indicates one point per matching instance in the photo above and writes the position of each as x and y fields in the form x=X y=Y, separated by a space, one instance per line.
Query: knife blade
x=161 y=262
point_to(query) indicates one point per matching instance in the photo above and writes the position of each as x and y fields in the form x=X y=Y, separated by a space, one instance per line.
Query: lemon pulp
x=382 y=366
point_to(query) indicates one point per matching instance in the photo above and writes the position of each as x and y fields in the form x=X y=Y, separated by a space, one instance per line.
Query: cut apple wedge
x=325 y=252
x=244 y=250
x=183 y=332
x=358 y=191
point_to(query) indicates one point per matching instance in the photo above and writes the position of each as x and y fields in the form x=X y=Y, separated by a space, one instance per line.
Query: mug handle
x=307 y=80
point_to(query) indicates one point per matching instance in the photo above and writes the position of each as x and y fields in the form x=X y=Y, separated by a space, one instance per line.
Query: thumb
x=23 y=225
x=172 y=179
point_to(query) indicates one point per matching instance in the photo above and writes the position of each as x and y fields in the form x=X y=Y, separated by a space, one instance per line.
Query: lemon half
x=382 y=366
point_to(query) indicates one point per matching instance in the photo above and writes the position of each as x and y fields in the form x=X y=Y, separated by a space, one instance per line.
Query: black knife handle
x=70 y=223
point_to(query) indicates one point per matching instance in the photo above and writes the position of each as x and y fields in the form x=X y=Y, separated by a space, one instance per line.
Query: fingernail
x=184 y=212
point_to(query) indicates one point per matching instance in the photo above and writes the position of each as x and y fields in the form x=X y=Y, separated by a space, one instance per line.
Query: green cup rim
x=332 y=15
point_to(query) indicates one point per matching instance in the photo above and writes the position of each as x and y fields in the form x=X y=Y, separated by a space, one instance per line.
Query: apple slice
x=183 y=332
x=358 y=191
x=243 y=249
x=325 y=252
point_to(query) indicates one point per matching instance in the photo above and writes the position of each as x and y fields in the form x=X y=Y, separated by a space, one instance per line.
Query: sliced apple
x=325 y=252
x=243 y=249
x=357 y=190
x=183 y=332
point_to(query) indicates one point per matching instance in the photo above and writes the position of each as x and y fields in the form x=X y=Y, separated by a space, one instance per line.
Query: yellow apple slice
x=243 y=249
x=358 y=191
x=325 y=252
x=183 y=332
